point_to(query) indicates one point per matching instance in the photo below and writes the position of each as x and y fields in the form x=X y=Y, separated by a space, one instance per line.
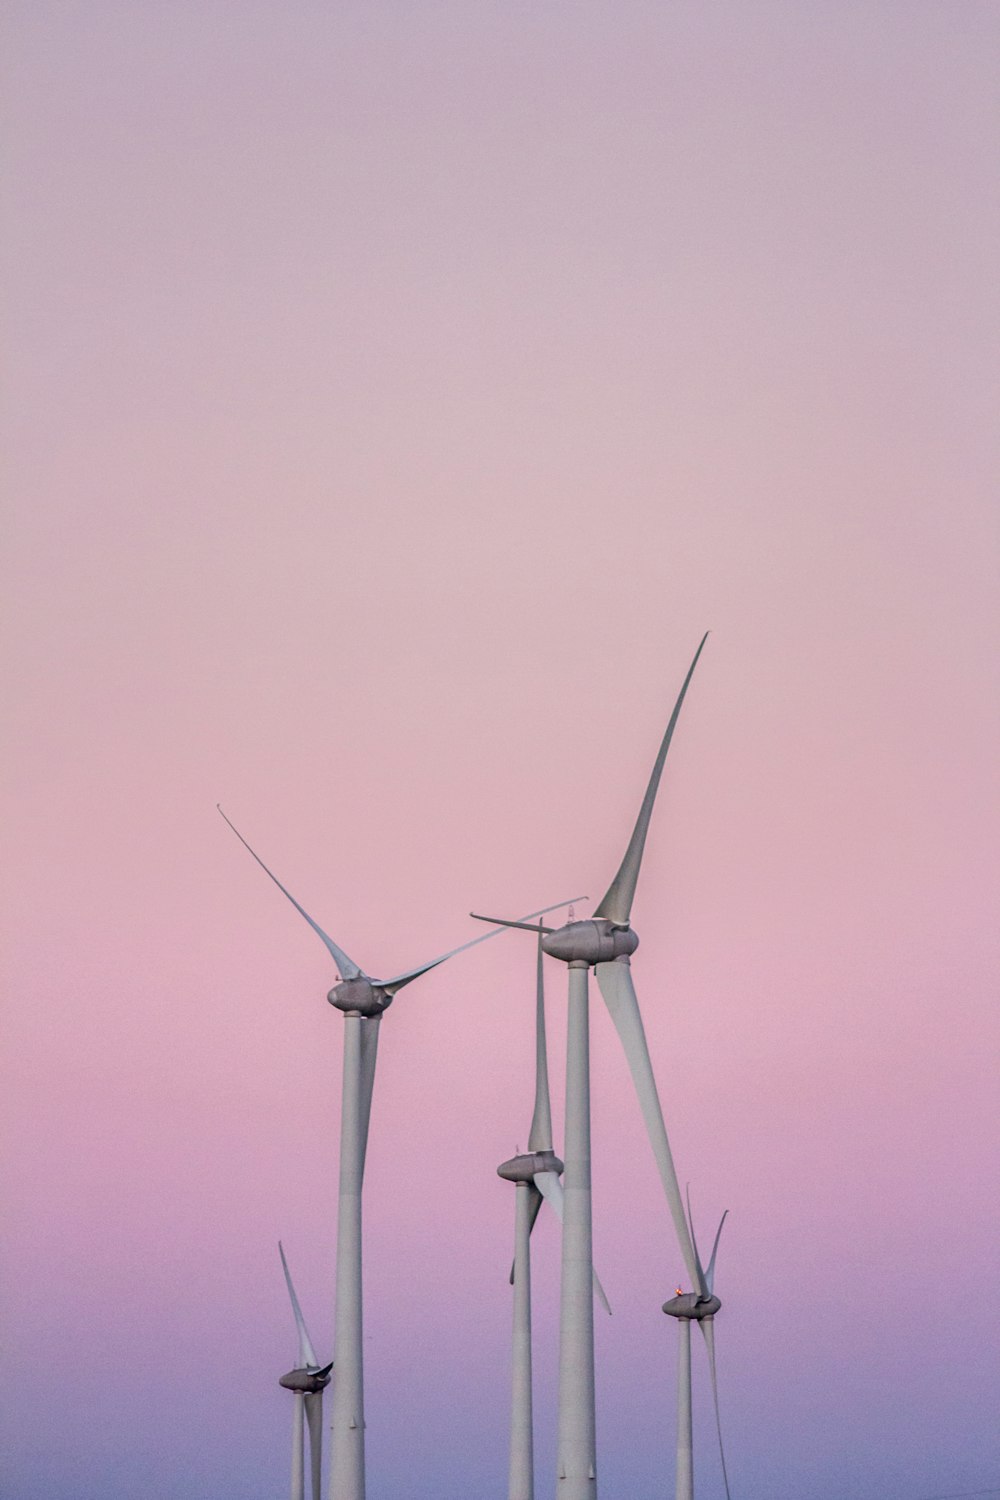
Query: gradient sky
x=395 y=393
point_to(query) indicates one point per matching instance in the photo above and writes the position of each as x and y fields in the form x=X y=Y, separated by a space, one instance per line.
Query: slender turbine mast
x=695 y=1307
x=536 y=1176
x=307 y=1381
x=605 y=942
x=362 y=1000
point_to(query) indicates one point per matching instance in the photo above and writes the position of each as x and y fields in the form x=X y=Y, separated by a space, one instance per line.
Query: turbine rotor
x=360 y=996
x=525 y=1168
x=692 y=1306
x=308 y=1381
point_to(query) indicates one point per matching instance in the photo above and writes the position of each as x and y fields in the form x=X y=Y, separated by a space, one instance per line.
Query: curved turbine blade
x=535 y=1203
x=707 y=1277
x=707 y=1326
x=540 y=1135
x=710 y=1273
x=369 y=1052
x=615 y=980
x=392 y=985
x=551 y=1189
x=506 y=922
x=602 y=1295
x=307 y=1354
x=314 y=1416
x=617 y=903
x=703 y=1282
x=347 y=967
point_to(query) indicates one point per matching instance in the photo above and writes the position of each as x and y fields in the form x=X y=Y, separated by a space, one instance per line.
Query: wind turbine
x=362 y=999
x=536 y=1175
x=695 y=1307
x=308 y=1381
x=605 y=942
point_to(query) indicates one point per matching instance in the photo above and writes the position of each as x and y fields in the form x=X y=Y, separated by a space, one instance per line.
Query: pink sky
x=395 y=395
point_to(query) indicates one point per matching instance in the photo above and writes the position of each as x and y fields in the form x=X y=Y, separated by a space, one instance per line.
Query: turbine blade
x=506 y=922
x=615 y=980
x=551 y=1189
x=540 y=1135
x=314 y=1416
x=392 y=985
x=707 y=1326
x=602 y=1295
x=369 y=1052
x=347 y=967
x=617 y=903
x=535 y=1202
x=702 y=1278
x=710 y=1273
x=307 y=1354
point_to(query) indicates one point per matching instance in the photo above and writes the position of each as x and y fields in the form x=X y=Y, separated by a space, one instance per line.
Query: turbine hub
x=308 y=1381
x=524 y=1168
x=596 y=941
x=692 y=1306
x=360 y=996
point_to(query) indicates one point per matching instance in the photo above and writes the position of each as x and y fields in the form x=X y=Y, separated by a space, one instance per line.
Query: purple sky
x=395 y=393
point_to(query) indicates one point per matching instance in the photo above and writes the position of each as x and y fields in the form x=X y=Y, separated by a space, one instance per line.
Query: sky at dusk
x=394 y=394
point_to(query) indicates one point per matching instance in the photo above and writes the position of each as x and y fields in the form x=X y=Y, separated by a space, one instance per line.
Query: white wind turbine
x=536 y=1175
x=695 y=1307
x=605 y=942
x=308 y=1381
x=362 y=1000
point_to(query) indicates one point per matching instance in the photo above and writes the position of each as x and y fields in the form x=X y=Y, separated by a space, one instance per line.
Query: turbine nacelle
x=597 y=940
x=360 y=996
x=525 y=1168
x=309 y=1381
x=692 y=1306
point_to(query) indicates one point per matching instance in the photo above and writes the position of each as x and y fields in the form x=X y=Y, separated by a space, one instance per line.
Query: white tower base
x=347 y=1417
x=577 y=1446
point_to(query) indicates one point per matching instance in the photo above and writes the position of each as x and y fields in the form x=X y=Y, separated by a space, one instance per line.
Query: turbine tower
x=536 y=1175
x=362 y=1000
x=308 y=1381
x=605 y=942
x=695 y=1307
